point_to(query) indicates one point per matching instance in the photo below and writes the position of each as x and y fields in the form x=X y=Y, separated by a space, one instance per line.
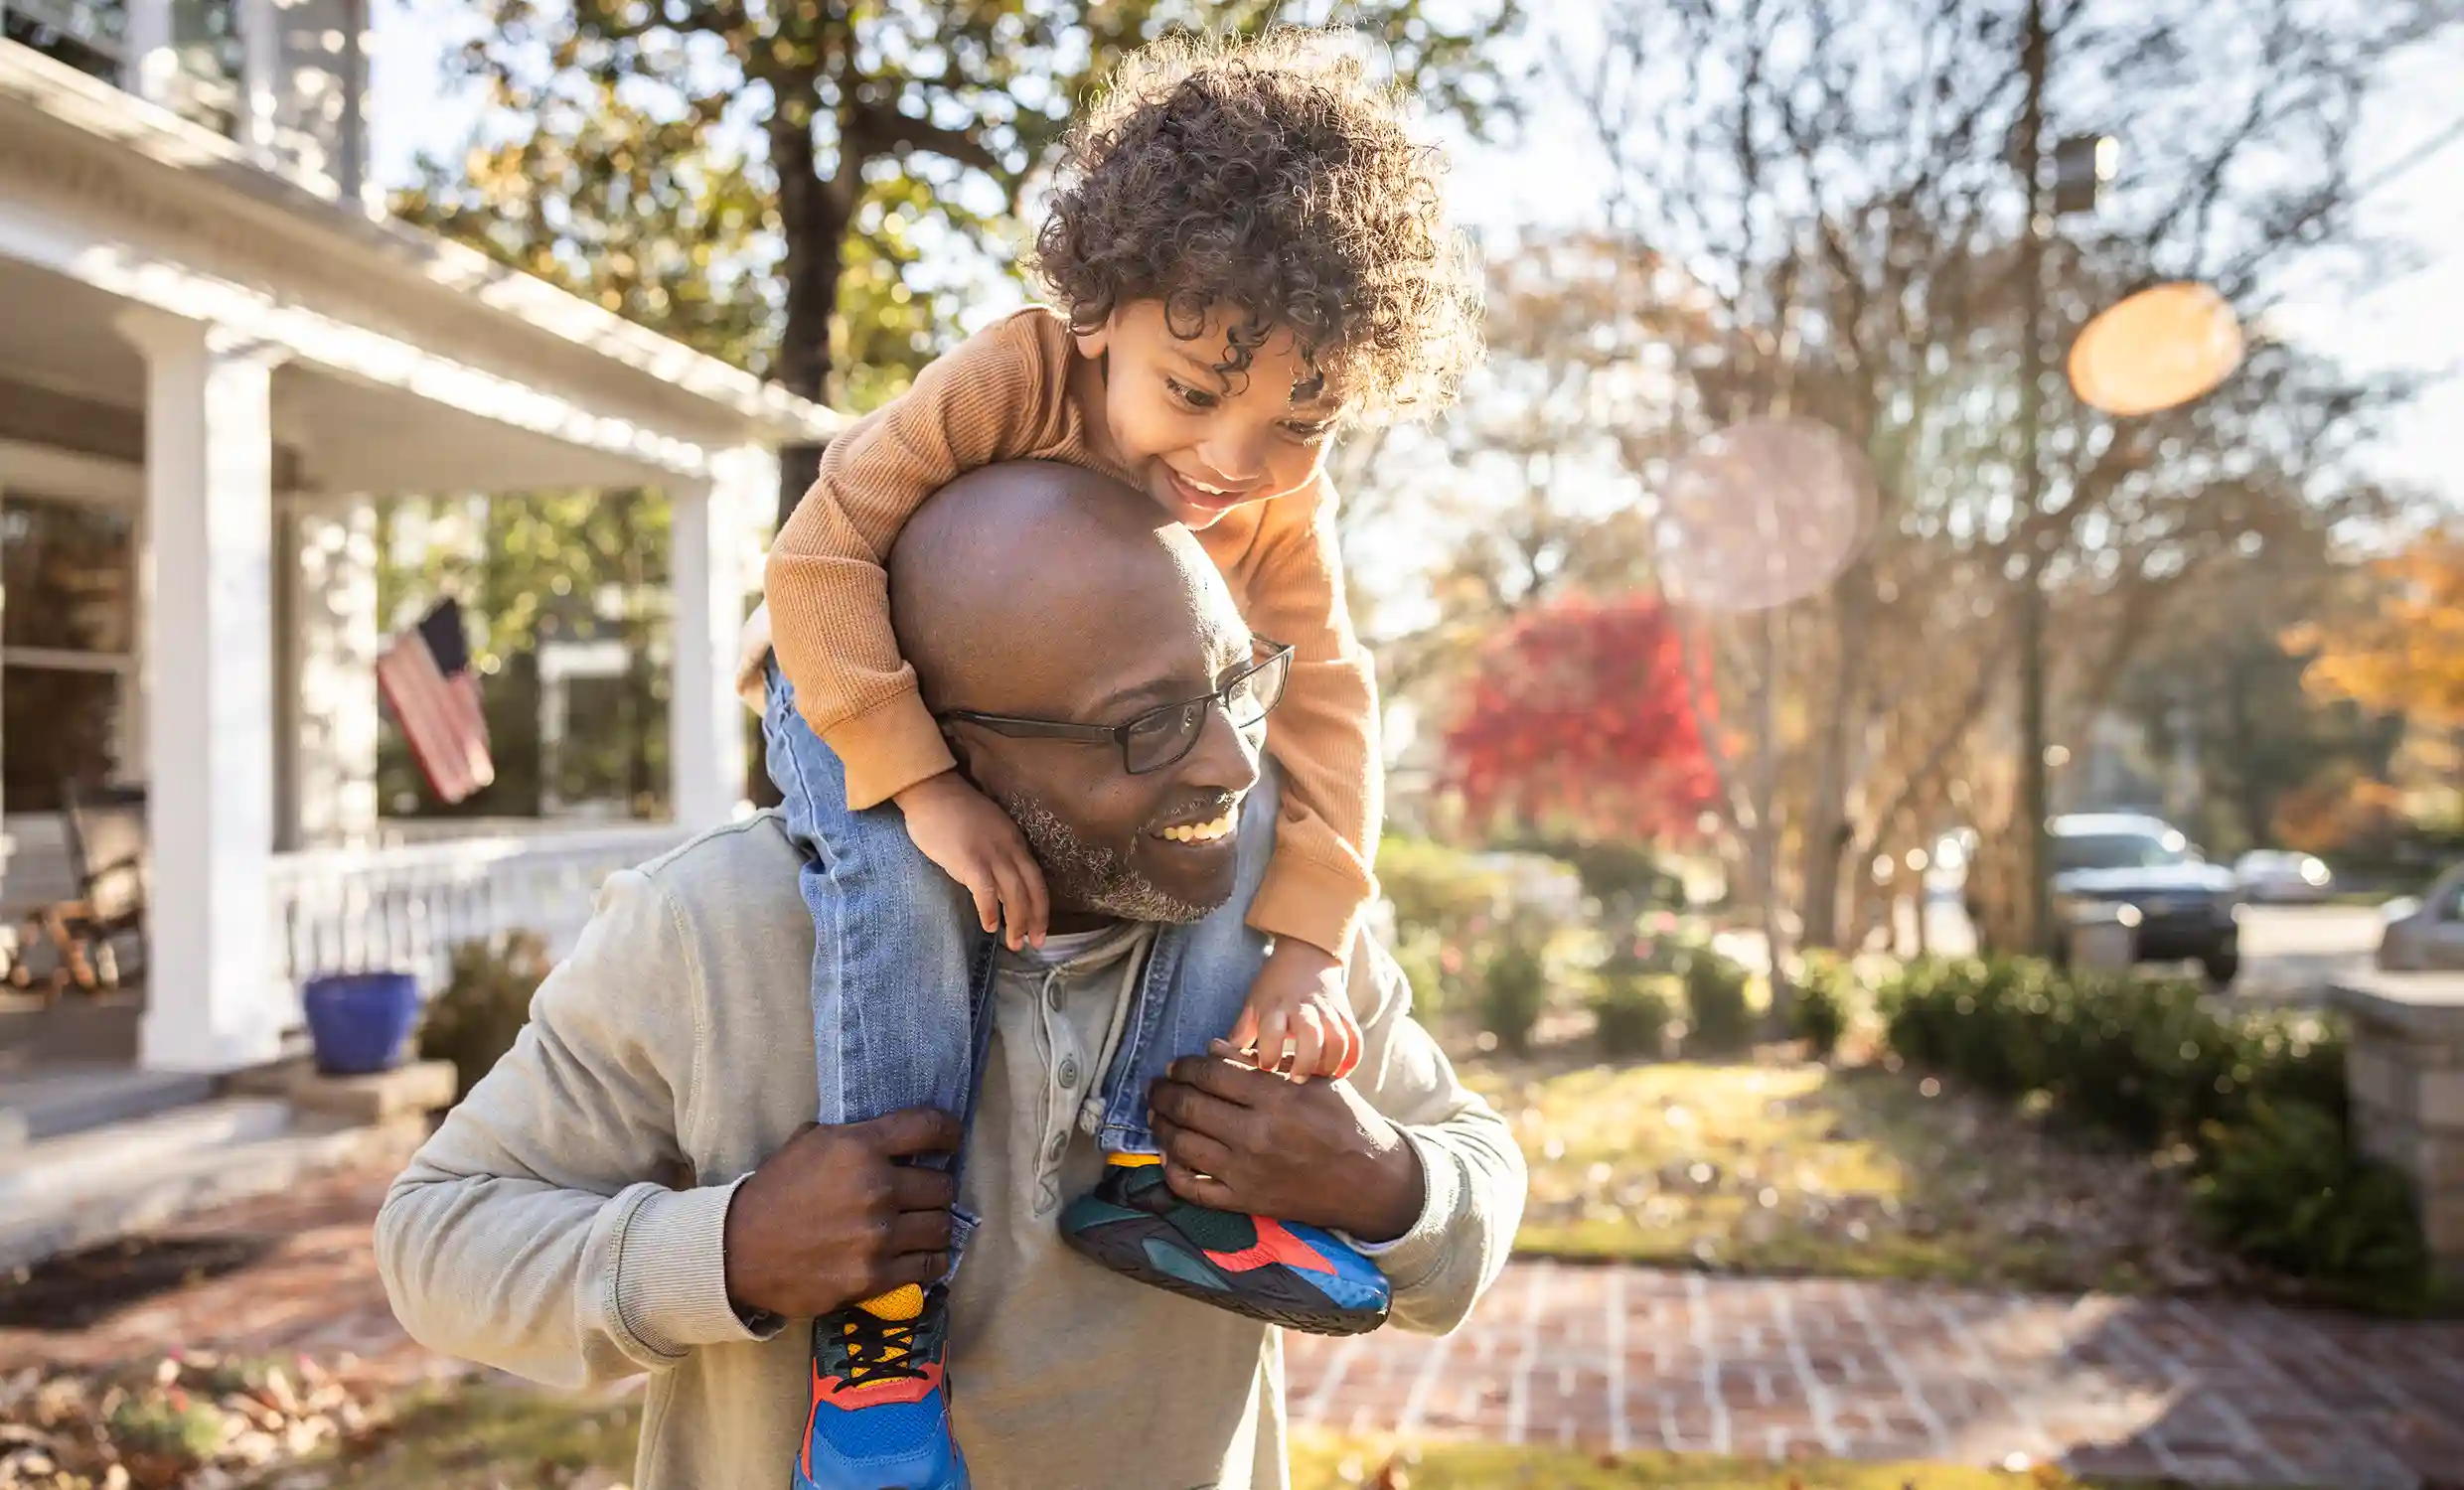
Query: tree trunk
x=1827 y=833
x=1765 y=841
x=816 y=214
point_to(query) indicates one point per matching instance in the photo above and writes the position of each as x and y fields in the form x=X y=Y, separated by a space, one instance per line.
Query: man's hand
x=1299 y=1015
x=829 y=1219
x=1237 y=1138
x=976 y=843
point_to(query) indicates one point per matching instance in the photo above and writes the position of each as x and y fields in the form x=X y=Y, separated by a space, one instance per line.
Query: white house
x=215 y=352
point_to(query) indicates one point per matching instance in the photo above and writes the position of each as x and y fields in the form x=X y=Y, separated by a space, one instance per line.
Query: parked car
x=2186 y=909
x=2278 y=876
x=2427 y=933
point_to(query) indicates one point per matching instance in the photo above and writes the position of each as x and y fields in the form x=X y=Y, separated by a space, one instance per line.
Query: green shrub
x=2284 y=1189
x=2257 y=1095
x=1717 y=1019
x=1514 y=987
x=1437 y=889
x=1633 y=1002
x=1635 y=1013
x=1827 y=994
x=483 y=1007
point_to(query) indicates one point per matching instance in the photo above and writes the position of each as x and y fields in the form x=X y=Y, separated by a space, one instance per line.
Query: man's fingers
x=921 y=1231
x=1200 y=1189
x=1191 y=1107
x=915 y=1188
x=1194 y=1150
x=1219 y=1074
x=913 y=1130
x=913 y=1267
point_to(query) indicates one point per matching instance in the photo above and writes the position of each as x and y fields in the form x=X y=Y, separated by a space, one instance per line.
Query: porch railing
x=407 y=907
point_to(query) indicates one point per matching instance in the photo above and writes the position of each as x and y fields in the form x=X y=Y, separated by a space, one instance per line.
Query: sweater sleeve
x=1324 y=734
x=997 y=397
x=1472 y=1175
x=525 y=1234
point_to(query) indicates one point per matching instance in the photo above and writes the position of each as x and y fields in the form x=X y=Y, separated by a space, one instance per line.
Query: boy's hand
x=967 y=835
x=1300 y=1008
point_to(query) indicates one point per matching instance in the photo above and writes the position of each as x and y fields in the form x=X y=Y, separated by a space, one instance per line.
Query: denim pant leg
x=1195 y=984
x=895 y=940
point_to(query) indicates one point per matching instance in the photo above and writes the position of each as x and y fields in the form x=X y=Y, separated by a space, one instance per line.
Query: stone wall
x=2405 y=1068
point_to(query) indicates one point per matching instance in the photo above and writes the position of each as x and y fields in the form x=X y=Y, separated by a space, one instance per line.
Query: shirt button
x=1058 y=1146
x=1069 y=1073
x=1052 y=993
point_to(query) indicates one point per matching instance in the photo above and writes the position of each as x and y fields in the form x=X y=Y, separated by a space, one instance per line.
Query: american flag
x=434 y=695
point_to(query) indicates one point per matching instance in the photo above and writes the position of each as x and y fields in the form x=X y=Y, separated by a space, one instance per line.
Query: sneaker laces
x=878 y=1349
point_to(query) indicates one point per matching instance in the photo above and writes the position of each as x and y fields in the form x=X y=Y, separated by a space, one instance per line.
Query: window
x=67 y=627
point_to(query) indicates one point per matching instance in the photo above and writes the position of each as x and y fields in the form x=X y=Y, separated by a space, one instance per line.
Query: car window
x=2113 y=851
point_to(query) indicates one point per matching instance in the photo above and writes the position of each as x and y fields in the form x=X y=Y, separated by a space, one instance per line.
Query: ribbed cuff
x=887 y=749
x=672 y=1273
x=1316 y=903
x=1411 y=1259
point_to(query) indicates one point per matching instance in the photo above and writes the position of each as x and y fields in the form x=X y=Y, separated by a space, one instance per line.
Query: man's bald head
x=1016 y=580
x=1046 y=592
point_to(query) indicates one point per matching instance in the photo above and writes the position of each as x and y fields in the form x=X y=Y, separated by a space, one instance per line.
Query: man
x=529 y=1232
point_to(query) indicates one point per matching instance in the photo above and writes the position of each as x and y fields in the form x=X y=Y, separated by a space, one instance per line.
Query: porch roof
x=125 y=198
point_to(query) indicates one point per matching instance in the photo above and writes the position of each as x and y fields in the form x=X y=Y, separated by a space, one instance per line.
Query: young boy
x=1245 y=252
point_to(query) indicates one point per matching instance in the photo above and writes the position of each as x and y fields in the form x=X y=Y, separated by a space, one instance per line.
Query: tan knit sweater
x=1002 y=397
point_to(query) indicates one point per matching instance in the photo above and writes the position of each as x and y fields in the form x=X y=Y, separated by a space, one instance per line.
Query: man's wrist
x=1391 y=1190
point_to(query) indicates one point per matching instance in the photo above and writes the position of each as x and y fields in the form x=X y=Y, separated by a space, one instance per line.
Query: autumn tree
x=1576 y=723
x=2406 y=656
x=1830 y=192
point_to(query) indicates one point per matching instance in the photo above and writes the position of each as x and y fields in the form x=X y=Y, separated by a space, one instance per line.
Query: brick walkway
x=1625 y=1358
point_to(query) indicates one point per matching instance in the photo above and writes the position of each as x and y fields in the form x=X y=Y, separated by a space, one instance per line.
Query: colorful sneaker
x=880 y=1417
x=1298 y=1277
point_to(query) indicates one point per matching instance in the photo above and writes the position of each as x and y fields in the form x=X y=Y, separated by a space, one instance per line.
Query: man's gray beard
x=1080 y=873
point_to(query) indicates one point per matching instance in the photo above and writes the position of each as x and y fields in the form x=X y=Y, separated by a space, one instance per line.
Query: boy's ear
x=1093 y=343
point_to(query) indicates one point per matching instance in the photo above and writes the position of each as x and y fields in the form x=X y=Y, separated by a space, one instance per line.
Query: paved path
x=1628 y=1357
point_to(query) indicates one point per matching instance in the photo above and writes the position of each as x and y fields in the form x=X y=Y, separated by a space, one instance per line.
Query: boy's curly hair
x=1276 y=176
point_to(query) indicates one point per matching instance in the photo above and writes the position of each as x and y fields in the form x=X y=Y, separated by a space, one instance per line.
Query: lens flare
x=2156 y=350
x=1761 y=514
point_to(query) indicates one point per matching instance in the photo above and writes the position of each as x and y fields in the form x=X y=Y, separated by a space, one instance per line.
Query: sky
x=1551 y=176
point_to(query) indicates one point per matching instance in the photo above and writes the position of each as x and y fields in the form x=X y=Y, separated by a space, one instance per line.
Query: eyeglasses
x=1160 y=737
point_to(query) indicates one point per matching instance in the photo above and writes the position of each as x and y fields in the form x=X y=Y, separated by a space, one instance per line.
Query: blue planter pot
x=358 y=1021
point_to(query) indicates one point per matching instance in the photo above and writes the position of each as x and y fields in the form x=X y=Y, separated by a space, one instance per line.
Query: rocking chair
x=106 y=846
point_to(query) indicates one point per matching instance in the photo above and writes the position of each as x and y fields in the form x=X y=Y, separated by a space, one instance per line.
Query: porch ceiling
x=341 y=435
x=416 y=364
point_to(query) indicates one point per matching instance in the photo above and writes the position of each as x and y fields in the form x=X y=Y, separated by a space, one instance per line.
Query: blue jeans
x=902 y=968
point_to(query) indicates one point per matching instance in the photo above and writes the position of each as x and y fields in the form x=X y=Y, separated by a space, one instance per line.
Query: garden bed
x=1795 y=1167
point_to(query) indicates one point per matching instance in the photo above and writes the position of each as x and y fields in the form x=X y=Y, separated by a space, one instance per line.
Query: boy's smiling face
x=1201 y=441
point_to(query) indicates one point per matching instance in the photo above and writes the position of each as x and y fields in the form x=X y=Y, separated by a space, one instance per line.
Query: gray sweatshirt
x=529 y=1235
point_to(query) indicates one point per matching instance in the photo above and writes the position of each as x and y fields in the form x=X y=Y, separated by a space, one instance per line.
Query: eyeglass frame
x=1016 y=727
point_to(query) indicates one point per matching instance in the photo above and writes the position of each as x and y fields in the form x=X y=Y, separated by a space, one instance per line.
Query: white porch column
x=211 y=1004
x=334 y=752
x=712 y=537
x=150 y=64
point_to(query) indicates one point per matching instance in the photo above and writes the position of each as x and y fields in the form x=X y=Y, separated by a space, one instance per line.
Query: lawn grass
x=1802 y=1168
x=1320 y=1462
x=477 y=1435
